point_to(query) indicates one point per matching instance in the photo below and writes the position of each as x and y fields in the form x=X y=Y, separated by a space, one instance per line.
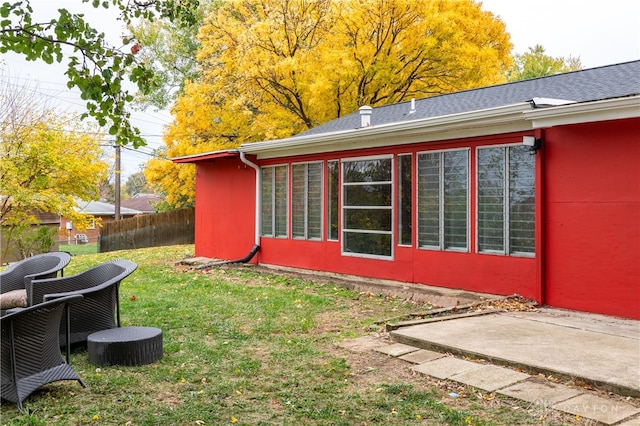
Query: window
x=367 y=207
x=306 y=199
x=405 y=199
x=443 y=193
x=333 y=173
x=274 y=201
x=506 y=200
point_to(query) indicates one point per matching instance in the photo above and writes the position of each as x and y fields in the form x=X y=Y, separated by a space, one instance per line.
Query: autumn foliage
x=47 y=162
x=272 y=68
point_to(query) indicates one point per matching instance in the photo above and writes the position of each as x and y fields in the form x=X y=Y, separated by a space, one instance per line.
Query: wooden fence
x=151 y=230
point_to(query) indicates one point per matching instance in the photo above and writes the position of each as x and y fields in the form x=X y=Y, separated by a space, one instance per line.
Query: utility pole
x=117 y=183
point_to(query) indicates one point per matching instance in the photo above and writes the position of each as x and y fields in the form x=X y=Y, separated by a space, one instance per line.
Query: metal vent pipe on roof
x=365 y=116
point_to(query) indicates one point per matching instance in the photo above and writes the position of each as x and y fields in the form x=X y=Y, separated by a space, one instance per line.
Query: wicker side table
x=125 y=346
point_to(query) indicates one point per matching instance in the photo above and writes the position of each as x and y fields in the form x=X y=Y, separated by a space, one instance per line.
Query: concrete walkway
x=594 y=349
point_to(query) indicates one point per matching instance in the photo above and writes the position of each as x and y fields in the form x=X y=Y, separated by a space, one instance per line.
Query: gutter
x=504 y=119
x=585 y=112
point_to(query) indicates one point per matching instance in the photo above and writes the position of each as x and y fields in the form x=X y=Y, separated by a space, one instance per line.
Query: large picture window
x=274 y=201
x=367 y=207
x=306 y=199
x=443 y=194
x=506 y=200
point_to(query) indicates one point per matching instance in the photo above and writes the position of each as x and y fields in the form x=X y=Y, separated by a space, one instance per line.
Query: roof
x=98 y=208
x=143 y=203
x=45 y=218
x=592 y=84
x=595 y=94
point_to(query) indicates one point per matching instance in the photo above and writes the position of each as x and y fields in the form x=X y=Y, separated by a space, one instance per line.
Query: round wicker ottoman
x=125 y=346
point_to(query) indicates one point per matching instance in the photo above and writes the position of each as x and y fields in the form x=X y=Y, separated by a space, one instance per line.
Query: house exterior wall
x=497 y=274
x=68 y=236
x=587 y=186
x=592 y=247
x=225 y=209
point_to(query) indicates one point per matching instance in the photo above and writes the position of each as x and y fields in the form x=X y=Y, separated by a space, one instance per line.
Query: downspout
x=256 y=245
x=258 y=204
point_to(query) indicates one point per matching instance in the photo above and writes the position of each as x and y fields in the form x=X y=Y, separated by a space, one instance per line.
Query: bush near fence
x=151 y=230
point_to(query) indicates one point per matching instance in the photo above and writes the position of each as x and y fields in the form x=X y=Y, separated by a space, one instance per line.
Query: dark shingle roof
x=143 y=203
x=592 y=84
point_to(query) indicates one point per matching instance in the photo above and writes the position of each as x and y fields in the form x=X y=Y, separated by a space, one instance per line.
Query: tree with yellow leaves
x=271 y=68
x=47 y=162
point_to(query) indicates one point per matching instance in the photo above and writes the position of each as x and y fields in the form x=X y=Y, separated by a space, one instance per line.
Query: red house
x=530 y=187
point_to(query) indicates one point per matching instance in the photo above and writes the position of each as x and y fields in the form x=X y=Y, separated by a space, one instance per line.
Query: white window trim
x=413 y=204
x=273 y=202
x=440 y=246
x=306 y=201
x=344 y=229
x=506 y=211
x=339 y=209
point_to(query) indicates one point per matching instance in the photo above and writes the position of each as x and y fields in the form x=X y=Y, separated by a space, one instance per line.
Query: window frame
x=306 y=236
x=506 y=207
x=274 y=202
x=331 y=200
x=400 y=200
x=344 y=229
x=441 y=202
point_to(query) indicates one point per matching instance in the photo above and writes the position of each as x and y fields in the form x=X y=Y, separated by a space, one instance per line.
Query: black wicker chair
x=100 y=307
x=30 y=351
x=45 y=265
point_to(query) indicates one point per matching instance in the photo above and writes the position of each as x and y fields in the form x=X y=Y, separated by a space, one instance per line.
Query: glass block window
x=443 y=200
x=306 y=199
x=506 y=200
x=274 y=201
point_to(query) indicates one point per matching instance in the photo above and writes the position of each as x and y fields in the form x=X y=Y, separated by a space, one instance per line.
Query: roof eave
x=506 y=119
x=214 y=155
x=587 y=112
x=469 y=124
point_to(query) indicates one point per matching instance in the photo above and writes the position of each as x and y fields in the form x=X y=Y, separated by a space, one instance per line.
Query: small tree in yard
x=29 y=239
x=47 y=162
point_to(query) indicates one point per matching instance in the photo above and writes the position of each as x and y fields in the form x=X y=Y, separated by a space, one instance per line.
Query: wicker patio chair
x=30 y=351
x=100 y=307
x=44 y=265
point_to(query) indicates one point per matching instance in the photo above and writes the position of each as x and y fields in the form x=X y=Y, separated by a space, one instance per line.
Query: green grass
x=250 y=348
x=79 y=249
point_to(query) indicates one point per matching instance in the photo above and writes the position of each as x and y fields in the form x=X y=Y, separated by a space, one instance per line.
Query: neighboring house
x=531 y=187
x=105 y=211
x=144 y=203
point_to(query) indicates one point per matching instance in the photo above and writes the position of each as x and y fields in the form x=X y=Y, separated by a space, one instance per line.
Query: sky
x=598 y=32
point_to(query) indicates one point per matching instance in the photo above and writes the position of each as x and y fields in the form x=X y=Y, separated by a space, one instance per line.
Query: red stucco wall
x=472 y=271
x=587 y=225
x=225 y=209
x=593 y=217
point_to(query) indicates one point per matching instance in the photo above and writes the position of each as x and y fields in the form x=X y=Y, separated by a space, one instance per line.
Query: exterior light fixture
x=533 y=143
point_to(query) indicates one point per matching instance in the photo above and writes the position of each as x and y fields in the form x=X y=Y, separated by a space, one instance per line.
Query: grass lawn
x=248 y=347
x=79 y=249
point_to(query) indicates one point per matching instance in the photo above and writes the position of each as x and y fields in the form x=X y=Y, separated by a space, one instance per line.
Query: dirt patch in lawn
x=369 y=367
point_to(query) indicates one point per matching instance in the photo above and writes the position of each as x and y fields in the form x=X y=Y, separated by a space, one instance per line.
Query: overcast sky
x=599 y=32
